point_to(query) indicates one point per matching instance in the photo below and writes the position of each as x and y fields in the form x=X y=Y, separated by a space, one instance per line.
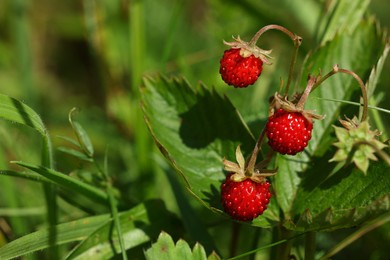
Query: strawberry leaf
x=342 y=16
x=195 y=130
x=342 y=200
x=165 y=248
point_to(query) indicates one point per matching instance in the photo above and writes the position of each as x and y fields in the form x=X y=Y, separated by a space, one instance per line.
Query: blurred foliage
x=92 y=54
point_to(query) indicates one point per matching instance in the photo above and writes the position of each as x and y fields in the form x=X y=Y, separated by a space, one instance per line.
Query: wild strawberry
x=288 y=132
x=289 y=126
x=245 y=192
x=245 y=200
x=241 y=65
x=239 y=71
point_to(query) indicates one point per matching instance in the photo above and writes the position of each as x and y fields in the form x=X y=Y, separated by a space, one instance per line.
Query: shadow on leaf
x=211 y=118
x=213 y=197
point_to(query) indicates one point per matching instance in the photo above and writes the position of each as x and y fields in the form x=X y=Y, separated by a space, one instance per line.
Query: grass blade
x=67 y=182
x=15 y=111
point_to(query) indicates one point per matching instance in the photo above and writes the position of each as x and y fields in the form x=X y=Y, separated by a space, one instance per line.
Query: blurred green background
x=92 y=54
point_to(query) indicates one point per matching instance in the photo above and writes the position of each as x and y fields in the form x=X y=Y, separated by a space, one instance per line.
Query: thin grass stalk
x=310 y=245
x=20 y=28
x=50 y=198
x=356 y=235
x=136 y=65
x=113 y=204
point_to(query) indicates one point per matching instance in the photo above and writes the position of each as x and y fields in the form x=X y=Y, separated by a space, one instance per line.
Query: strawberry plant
x=196 y=128
x=186 y=145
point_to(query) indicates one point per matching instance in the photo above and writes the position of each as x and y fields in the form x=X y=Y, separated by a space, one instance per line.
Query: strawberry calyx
x=242 y=171
x=297 y=105
x=354 y=123
x=279 y=102
x=357 y=143
x=247 y=49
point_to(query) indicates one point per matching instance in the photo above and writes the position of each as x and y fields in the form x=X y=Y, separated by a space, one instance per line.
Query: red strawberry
x=240 y=71
x=288 y=132
x=245 y=200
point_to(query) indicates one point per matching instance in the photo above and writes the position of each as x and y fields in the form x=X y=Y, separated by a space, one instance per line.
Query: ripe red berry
x=245 y=200
x=239 y=71
x=288 y=132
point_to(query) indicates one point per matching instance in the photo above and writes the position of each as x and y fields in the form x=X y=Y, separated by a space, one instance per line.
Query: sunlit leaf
x=342 y=16
x=15 y=111
x=139 y=225
x=165 y=248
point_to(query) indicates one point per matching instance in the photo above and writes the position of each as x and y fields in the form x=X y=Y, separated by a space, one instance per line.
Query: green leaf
x=376 y=72
x=67 y=182
x=139 y=225
x=75 y=153
x=165 y=248
x=193 y=224
x=67 y=232
x=81 y=134
x=69 y=140
x=195 y=130
x=32 y=176
x=342 y=16
x=16 y=111
x=358 y=51
x=342 y=200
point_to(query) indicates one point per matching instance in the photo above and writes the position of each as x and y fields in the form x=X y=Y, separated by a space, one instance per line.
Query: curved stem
x=292 y=65
x=363 y=89
x=252 y=160
x=305 y=95
x=295 y=38
x=266 y=161
x=335 y=70
x=321 y=79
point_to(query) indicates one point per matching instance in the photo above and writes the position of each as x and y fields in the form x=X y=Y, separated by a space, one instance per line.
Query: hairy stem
x=293 y=36
x=252 y=160
x=305 y=95
x=363 y=89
